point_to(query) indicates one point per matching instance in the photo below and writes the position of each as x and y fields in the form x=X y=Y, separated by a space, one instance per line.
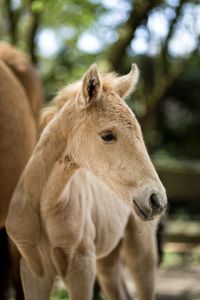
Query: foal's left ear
x=91 y=87
x=125 y=85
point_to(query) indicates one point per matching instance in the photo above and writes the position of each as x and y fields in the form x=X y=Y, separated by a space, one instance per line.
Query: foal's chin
x=141 y=214
x=144 y=215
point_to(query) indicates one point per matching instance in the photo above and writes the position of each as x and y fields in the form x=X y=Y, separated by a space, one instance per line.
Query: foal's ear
x=91 y=87
x=125 y=85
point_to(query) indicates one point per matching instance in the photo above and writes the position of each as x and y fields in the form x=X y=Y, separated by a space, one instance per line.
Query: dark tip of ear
x=91 y=83
x=91 y=87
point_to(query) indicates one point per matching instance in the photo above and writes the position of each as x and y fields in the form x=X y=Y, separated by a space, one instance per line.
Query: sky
x=145 y=41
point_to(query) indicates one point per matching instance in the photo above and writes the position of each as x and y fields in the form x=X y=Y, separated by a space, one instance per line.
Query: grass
x=59 y=294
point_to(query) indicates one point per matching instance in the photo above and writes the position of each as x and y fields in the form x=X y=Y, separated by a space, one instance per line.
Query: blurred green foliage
x=162 y=36
x=59 y=294
x=172 y=259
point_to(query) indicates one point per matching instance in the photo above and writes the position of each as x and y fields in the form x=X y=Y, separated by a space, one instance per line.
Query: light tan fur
x=82 y=234
x=65 y=208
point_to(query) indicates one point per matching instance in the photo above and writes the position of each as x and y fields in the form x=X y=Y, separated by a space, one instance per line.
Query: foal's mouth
x=144 y=216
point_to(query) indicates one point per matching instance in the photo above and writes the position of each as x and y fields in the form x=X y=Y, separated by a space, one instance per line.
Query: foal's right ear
x=91 y=86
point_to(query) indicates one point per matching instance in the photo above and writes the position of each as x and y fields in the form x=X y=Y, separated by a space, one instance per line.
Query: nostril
x=154 y=201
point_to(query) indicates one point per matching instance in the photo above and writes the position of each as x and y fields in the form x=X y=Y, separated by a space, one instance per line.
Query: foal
x=89 y=126
x=82 y=233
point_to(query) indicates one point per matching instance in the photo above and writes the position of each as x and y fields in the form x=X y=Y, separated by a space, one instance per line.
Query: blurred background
x=63 y=37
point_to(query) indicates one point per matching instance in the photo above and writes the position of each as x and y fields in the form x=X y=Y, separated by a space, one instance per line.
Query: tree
x=24 y=21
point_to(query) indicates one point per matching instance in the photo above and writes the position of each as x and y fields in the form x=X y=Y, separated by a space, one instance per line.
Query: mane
x=67 y=93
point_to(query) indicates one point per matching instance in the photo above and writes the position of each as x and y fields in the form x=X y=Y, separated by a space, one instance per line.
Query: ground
x=174 y=283
x=179 y=283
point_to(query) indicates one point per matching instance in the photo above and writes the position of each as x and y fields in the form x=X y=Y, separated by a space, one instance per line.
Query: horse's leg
x=109 y=271
x=35 y=287
x=79 y=272
x=15 y=271
x=5 y=264
x=141 y=256
x=160 y=233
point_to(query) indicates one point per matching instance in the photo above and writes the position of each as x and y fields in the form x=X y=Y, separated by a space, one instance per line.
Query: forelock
x=112 y=104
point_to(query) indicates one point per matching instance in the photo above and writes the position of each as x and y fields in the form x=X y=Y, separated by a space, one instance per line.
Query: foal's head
x=107 y=139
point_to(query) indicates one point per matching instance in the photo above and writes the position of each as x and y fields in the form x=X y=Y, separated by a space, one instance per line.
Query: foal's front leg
x=109 y=271
x=35 y=287
x=79 y=274
x=141 y=256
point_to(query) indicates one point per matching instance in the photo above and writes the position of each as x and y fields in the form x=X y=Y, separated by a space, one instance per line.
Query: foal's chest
x=110 y=223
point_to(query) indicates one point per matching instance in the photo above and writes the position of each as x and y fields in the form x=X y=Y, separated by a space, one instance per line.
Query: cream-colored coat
x=87 y=126
x=83 y=234
x=86 y=209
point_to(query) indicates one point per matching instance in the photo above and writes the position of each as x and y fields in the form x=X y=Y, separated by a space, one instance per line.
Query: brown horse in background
x=20 y=102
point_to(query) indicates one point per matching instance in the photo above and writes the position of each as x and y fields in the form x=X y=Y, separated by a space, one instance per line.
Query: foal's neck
x=50 y=155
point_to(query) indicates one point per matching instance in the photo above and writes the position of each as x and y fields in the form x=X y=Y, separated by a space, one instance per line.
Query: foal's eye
x=108 y=137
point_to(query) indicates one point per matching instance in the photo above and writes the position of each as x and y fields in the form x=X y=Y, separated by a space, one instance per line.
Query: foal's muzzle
x=148 y=209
